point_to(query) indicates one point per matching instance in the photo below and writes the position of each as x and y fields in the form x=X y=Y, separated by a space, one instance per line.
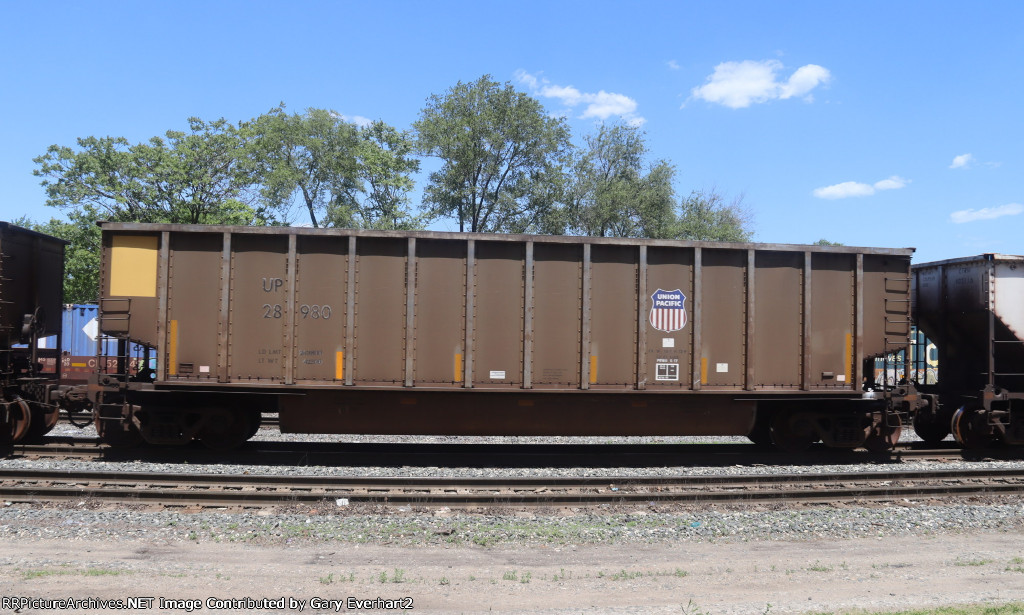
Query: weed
x=817 y=566
x=397 y=577
x=102 y=572
x=971 y=562
x=510 y=575
x=445 y=581
x=691 y=609
x=526 y=577
x=327 y=580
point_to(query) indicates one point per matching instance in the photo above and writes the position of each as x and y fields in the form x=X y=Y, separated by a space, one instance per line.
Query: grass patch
x=972 y=562
x=87 y=572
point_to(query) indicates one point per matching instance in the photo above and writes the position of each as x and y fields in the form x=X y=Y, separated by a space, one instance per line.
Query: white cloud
x=848 y=189
x=844 y=190
x=358 y=120
x=986 y=213
x=673 y=65
x=893 y=183
x=739 y=84
x=962 y=161
x=601 y=105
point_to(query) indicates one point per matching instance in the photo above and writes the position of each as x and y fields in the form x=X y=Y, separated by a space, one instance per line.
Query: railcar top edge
x=563 y=239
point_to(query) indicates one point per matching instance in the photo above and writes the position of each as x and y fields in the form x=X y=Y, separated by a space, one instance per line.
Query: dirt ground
x=702 y=578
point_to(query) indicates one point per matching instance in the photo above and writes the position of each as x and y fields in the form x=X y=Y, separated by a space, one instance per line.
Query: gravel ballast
x=406 y=525
x=693 y=559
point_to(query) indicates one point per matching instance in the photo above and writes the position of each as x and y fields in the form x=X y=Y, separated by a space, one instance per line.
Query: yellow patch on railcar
x=133 y=263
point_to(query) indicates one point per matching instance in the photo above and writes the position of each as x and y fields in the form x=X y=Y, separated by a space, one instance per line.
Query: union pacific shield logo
x=667 y=310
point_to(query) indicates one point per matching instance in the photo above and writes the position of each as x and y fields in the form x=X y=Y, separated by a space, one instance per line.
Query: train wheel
x=226 y=428
x=882 y=438
x=970 y=428
x=44 y=419
x=792 y=432
x=19 y=420
x=930 y=428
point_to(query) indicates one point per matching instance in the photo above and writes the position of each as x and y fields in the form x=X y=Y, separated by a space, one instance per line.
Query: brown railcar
x=31 y=293
x=345 y=331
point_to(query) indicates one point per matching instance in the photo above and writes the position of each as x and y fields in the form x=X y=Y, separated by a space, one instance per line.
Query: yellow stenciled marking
x=133 y=260
x=593 y=369
x=458 y=367
x=848 y=360
x=703 y=370
x=172 y=349
x=339 y=365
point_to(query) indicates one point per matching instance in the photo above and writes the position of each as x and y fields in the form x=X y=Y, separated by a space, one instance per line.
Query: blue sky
x=870 y=123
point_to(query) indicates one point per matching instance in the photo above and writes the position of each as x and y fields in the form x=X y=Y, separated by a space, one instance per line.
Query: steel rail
x=269 y=490
x=328 y=453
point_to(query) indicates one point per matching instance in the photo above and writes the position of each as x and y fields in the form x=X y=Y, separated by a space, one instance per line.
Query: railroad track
x=259 y=491
x=496 y=455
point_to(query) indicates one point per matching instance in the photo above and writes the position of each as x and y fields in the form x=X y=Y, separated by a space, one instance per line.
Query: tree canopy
x=194 y=177
x=705 y=216
x=502 y=156
x=503 y=164
x=614 y=194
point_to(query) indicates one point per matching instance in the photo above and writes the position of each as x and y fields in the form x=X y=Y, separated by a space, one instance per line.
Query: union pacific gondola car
x=345 y=331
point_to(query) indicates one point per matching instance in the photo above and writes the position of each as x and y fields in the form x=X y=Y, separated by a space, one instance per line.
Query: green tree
x=612 y=195
x=199 y=176
x=826 y=242
x=502 y=157
x=705 y=216
x=309 y=157
x=186 y=177
x=385 y=166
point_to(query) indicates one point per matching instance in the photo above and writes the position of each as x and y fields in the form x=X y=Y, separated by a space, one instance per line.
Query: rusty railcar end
x=31 y=305
x=973 y=310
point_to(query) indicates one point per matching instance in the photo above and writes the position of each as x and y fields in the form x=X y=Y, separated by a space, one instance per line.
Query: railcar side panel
x=668 y=349
x=723 y=319
x=497 y=359
x=191 y=346
x=832 y=321
x=440 y=313
x=610 y=356
x=556 y=316
x=380 y=304
x=778 y=320
x=321 y=281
